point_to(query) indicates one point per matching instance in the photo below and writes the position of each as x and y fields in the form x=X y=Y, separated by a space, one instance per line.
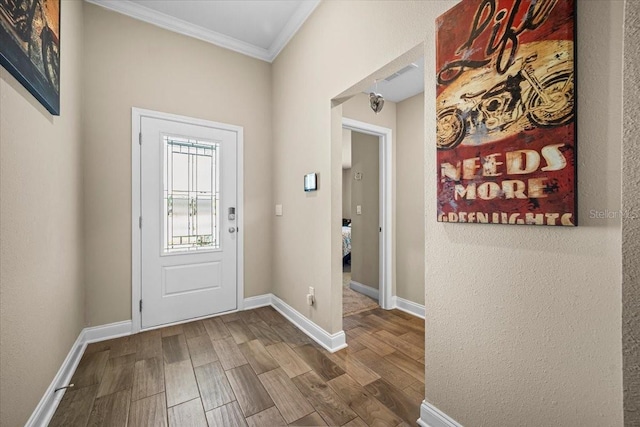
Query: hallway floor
x=252 y=368
x=354 y=302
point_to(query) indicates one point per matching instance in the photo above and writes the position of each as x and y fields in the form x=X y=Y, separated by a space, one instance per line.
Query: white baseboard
x=107 y=332
x=396 y=302
x=47 y=406
x=331 y=342
x=49 y=402
x=257 y=301
x=408 y=306
x=365 y=290
x=430 y=416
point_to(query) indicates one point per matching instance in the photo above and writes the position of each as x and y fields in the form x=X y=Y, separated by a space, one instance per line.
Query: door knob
x=232 y=229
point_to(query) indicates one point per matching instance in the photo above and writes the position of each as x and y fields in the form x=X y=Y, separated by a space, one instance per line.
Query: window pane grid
x=191 y=195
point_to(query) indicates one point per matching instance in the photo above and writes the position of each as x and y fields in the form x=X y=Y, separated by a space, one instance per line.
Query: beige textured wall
x=41 y=280
x=523 y=322
x=631 y=218
x=410 y=199
x=133 y=64
x=527 y=321
x=346 y=193
x=365 y=255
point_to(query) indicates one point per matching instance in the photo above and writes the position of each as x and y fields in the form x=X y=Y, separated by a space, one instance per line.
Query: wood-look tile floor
x=252 y=368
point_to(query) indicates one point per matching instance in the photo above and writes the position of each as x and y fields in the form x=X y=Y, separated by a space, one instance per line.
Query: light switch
x=358 y=209
x=278 y=210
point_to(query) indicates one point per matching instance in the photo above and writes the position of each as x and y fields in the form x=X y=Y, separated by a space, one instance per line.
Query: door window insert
x=191 y=176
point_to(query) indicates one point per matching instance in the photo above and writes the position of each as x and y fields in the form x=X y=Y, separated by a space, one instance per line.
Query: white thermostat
x=311 y=182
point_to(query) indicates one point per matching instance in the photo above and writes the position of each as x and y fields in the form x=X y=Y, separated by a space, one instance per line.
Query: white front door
x=188 y=222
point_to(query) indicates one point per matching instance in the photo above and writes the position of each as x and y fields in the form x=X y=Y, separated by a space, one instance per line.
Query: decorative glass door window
x=191 y=194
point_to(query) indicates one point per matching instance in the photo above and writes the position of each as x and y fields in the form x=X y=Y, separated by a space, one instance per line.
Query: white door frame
x=385 y=294
x=136 y=236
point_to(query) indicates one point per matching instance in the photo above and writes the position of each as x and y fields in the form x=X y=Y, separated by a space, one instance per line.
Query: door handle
x=232 y=229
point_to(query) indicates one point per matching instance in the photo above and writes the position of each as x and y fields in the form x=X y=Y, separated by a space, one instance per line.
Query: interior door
x=188 y=226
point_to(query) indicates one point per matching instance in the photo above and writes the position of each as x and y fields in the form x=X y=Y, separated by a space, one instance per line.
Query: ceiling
x=403 y=84
x=257 y=28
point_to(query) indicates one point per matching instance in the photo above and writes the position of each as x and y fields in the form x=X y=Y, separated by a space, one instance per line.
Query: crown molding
x=180 y=26
x=299 y=17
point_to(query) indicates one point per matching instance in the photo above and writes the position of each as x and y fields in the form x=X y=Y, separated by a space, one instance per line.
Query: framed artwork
x=30 y=47
x=506 y=112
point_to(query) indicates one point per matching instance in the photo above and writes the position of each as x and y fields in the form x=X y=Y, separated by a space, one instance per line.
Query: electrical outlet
x=311 y=296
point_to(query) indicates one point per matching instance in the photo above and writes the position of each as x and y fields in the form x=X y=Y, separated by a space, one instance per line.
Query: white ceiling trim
x=292 y=26
x=180 y=26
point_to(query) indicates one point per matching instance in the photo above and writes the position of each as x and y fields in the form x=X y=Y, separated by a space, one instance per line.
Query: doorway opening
x=366 y=212
x=396 y=121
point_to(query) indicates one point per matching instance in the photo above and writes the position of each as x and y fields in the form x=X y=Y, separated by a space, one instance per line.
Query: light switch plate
x=359 y=210
x=278 y=210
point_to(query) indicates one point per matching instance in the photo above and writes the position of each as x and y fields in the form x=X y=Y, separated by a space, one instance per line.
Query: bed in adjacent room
x=346 y=241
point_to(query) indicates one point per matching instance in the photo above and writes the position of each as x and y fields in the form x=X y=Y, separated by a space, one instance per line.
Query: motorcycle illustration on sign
x=545 y=102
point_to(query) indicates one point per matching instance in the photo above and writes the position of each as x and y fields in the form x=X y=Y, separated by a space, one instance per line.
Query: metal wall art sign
x=506 y=112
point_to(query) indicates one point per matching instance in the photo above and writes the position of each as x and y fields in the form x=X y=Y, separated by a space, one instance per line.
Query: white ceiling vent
x=403 y=84
x=401 y=72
